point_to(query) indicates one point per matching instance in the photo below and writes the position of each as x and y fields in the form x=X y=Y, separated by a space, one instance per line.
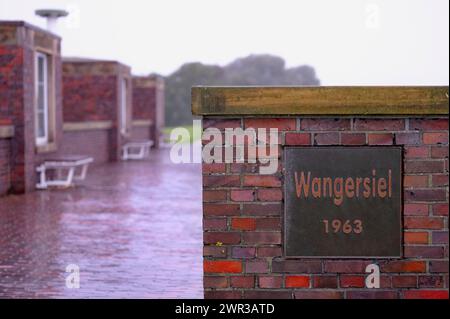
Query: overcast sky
x=349 y=42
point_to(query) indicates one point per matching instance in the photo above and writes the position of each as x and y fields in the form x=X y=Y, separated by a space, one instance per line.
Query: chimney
x=52 y=16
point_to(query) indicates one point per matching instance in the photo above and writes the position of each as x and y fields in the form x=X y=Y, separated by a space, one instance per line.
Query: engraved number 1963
x=346 y=227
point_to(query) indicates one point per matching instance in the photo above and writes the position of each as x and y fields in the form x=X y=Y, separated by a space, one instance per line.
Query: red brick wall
x=144 y=102
x=89 y=98
x=94 y=143
x=5 y=157
x=243 y=216
x=11 y=75
x=16 y=103
x=148 y=104
x=17 y=47
x=91 y=92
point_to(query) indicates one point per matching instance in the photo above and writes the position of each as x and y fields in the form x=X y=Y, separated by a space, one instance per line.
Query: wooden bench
x=136 y=149
x=64 y=169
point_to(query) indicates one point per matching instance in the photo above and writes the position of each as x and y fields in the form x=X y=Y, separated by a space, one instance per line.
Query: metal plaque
x=343 y=202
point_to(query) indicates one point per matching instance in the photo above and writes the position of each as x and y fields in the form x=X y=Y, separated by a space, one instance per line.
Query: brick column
x=148 y=107
x=243 y=210
x=91 y=108
x=19 y=41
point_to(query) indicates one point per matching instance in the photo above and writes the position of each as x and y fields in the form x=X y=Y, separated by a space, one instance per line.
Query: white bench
x=64 y=171
x=136 y=150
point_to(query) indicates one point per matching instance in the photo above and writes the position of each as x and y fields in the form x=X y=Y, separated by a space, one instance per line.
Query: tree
x=251 y=70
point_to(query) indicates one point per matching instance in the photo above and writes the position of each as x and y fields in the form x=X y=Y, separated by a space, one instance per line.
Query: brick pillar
x=148 y=107
x=243 y=210
x=92 y=101
x=19 y=42
x=159 y=110
x=16 y=94
x=6 y=135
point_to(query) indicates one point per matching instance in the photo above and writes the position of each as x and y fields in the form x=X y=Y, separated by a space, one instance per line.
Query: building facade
x=148 y=108
x=50 y=108
x=30 y=102
x=265 y=238
x=97 y=108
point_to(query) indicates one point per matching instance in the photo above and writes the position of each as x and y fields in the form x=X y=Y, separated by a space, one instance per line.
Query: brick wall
x=94 y=143
x=11 y=90
x=148 y=105
x=13 y=103
x=5 y=157
x=91 y=93
x=18 y=43
x=89 y=98
x=144 y=101
x=243 y=215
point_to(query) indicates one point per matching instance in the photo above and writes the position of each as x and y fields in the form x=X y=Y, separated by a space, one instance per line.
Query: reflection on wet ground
x=133 y=228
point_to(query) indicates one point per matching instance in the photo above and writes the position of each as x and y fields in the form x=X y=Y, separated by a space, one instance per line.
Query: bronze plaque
x=343 y=202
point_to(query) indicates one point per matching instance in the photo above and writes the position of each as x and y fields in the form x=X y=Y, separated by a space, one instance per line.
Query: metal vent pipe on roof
x=52 y=16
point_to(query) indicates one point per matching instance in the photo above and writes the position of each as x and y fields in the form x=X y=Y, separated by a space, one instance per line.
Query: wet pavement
x=133 y=229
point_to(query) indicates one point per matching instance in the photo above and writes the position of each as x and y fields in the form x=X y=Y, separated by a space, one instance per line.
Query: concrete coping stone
x=321 y=100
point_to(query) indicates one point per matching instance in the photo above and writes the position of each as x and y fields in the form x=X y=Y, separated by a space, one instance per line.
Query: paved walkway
x=133 y=228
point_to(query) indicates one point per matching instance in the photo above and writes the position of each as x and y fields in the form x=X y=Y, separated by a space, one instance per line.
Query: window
x=42 y=109
x=123 y=107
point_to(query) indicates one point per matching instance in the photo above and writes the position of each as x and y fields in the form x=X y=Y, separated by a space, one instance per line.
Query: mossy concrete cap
x=321 y=101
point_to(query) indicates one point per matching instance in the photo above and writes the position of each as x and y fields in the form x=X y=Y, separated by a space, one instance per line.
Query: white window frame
x=42 y=140
x=123 y=106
